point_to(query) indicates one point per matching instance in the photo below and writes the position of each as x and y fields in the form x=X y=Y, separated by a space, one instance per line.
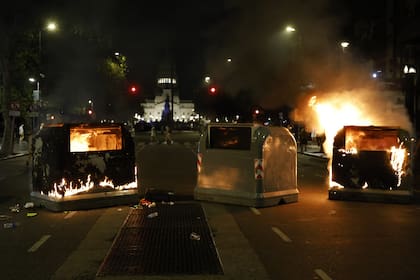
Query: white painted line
x=322 y=274
x=70 y=214
x=281 y=234
x=255 y=211
x=38 y=243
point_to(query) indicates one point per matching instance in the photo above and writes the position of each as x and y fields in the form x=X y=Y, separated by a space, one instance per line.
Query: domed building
x=159 y=108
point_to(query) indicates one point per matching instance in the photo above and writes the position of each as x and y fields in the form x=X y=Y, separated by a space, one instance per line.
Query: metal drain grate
x=163 y=244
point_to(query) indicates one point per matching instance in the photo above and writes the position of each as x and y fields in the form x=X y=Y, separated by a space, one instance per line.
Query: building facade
x=167 y=104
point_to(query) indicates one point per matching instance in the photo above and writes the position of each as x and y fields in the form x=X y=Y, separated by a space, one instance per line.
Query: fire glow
x=66 y=189
x=398 y=156
x=330 y=117
x=333 y=113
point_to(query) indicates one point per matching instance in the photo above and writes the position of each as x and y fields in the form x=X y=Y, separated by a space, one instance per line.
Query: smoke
x=265 y=59
x=278 y=66
x=373 y=105
x=72 y=56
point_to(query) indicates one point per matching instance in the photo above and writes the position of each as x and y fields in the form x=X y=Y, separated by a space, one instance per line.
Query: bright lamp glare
x=344 y=44
x=52 y=26
x=290 y=29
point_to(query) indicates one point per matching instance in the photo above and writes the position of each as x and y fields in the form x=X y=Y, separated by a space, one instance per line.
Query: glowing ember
x=84 y=139
x=79 y=142
x=65 y=188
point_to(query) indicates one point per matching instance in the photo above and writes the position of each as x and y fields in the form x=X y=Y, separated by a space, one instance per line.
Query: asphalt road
x=315 y=238
x=325 y=239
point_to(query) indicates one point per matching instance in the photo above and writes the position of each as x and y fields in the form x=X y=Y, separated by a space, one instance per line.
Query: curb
x=15 y=155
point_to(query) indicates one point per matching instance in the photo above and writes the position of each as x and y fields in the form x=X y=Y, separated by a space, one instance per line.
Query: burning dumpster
x=79 y=166
x=247 y=164
x=371 y=163
x=416 y=173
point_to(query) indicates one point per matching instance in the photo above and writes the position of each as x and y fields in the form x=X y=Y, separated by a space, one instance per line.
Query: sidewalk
x=313 y=150
x=19 y=149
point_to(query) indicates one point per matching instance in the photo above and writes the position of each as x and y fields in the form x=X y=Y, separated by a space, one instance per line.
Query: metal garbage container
x=371 y=163
x=82 y=166
x=247 y=164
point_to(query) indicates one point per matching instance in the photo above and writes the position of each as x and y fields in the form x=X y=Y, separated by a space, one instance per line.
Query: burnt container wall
x=53 y=161
x=50 y=149
x=416 y=172
x=116 y=165
x=369 y=168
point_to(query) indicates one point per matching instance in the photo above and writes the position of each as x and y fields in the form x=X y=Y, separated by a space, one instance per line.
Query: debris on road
x=153 y=215
x=5 y=218
x=195 y=236
x=15 y=208
x=9 y=225
x=29 y=205
x=170 y=202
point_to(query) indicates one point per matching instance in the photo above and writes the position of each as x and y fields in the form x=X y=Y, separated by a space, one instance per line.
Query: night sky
x=198 y=36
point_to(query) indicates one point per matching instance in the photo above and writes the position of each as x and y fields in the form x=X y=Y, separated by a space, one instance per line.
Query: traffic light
x=133 y=89
x=212 y=90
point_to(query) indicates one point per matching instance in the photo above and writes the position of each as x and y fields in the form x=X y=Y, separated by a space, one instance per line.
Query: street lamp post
x=289 y=29
x=50 y=27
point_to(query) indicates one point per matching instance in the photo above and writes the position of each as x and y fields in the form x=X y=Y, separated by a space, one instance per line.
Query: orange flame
x=65 y=188
x=333 y=111
x=398 y=156
x=331 y=116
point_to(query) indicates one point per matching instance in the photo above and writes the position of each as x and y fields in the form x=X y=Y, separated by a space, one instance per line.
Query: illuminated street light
x=290 y=29
x=409 y=70
x=51 y=26
x=344 y=45
x=35 y=93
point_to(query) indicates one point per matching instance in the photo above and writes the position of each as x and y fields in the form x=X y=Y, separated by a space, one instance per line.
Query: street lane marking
x=39 y=243
x=281 y=234
x=255 y=211
x=322 y=274
x=70 y=214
